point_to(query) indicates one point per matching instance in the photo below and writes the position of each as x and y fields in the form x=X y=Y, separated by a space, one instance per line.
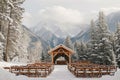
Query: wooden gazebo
x=61 y=50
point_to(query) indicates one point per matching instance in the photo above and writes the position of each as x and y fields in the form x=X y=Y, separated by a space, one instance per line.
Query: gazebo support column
x=69 y=58
x=52 y=59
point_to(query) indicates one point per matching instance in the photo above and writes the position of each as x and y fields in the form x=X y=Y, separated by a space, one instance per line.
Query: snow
x=60 y=73
x=10 y=3
x=10 y=19
x=6 y=64
x=1 y=45
x=9 y=76
x=2 y=38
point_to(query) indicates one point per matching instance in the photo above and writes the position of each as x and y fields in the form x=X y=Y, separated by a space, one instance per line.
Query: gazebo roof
x=61 y=46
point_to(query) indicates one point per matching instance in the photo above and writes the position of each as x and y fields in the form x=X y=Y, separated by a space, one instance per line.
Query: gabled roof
x=59 y=46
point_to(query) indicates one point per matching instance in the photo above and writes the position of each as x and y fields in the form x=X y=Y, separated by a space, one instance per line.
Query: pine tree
x=42 y=56
x=4 y=18
x=13 y=36
x=76 y=47
x=100 y=48
x=105 y=48
x=117 y=44
x=47 y=56
x=1 y=46
x=82 y=51
x=10 y=22
x=1 y=51
x=68 y=42
x=92 y=45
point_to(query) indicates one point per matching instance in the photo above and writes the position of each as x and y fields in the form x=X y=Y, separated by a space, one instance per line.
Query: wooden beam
x=55 y=53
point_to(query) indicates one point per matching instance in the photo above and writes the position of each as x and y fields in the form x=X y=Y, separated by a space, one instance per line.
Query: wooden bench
x=82 y=69
x=32 y=70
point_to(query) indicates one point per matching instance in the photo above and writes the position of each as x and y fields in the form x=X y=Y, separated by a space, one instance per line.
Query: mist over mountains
x=53 y=34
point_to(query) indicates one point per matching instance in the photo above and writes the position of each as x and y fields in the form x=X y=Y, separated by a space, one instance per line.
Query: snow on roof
x=59 y=46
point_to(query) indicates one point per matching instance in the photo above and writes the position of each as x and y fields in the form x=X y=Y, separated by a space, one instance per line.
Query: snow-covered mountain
x=47 y=36
x=53 y=34
x=112 y=20
x=53 y=28
x=82 y=36
x=59 y=30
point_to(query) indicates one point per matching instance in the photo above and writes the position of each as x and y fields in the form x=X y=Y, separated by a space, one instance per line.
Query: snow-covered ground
x=60 y=73
x=6 y=64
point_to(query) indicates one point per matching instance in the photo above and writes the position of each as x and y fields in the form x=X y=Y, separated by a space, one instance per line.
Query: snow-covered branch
x=8 y=18
x=10 y=3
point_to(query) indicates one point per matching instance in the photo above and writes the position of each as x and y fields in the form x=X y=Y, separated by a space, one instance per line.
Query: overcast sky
x=72 y=12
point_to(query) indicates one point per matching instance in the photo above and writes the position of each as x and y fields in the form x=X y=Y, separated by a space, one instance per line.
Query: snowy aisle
x=60 y=72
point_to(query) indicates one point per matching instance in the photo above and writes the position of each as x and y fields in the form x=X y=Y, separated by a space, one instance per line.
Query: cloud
x=67 y=19
x=110 y=10
x=27 y=19
x=67 y=11
x=62 y=16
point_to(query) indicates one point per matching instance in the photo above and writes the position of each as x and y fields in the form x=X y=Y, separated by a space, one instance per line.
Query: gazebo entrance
x=61 y=54
x=61 y=59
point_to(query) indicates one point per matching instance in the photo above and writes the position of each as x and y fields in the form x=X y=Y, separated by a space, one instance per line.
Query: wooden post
x=69 y=58
x=52 y=58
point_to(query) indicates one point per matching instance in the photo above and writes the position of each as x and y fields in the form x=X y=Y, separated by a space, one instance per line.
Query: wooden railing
x=80 y=69
x=32 y=70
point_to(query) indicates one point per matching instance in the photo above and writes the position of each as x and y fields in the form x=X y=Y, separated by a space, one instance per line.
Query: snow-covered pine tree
x=117 y=44
x=92 y=44
x=4 y=16
x=68 y=42
x=42 y=56
x=4 y=20
x=10 y=24
x=76 y=47
x=82 y=51
x=14 y=42
x=105 y=49
x=1 y=46
x=1 y=51
x=46 y=55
